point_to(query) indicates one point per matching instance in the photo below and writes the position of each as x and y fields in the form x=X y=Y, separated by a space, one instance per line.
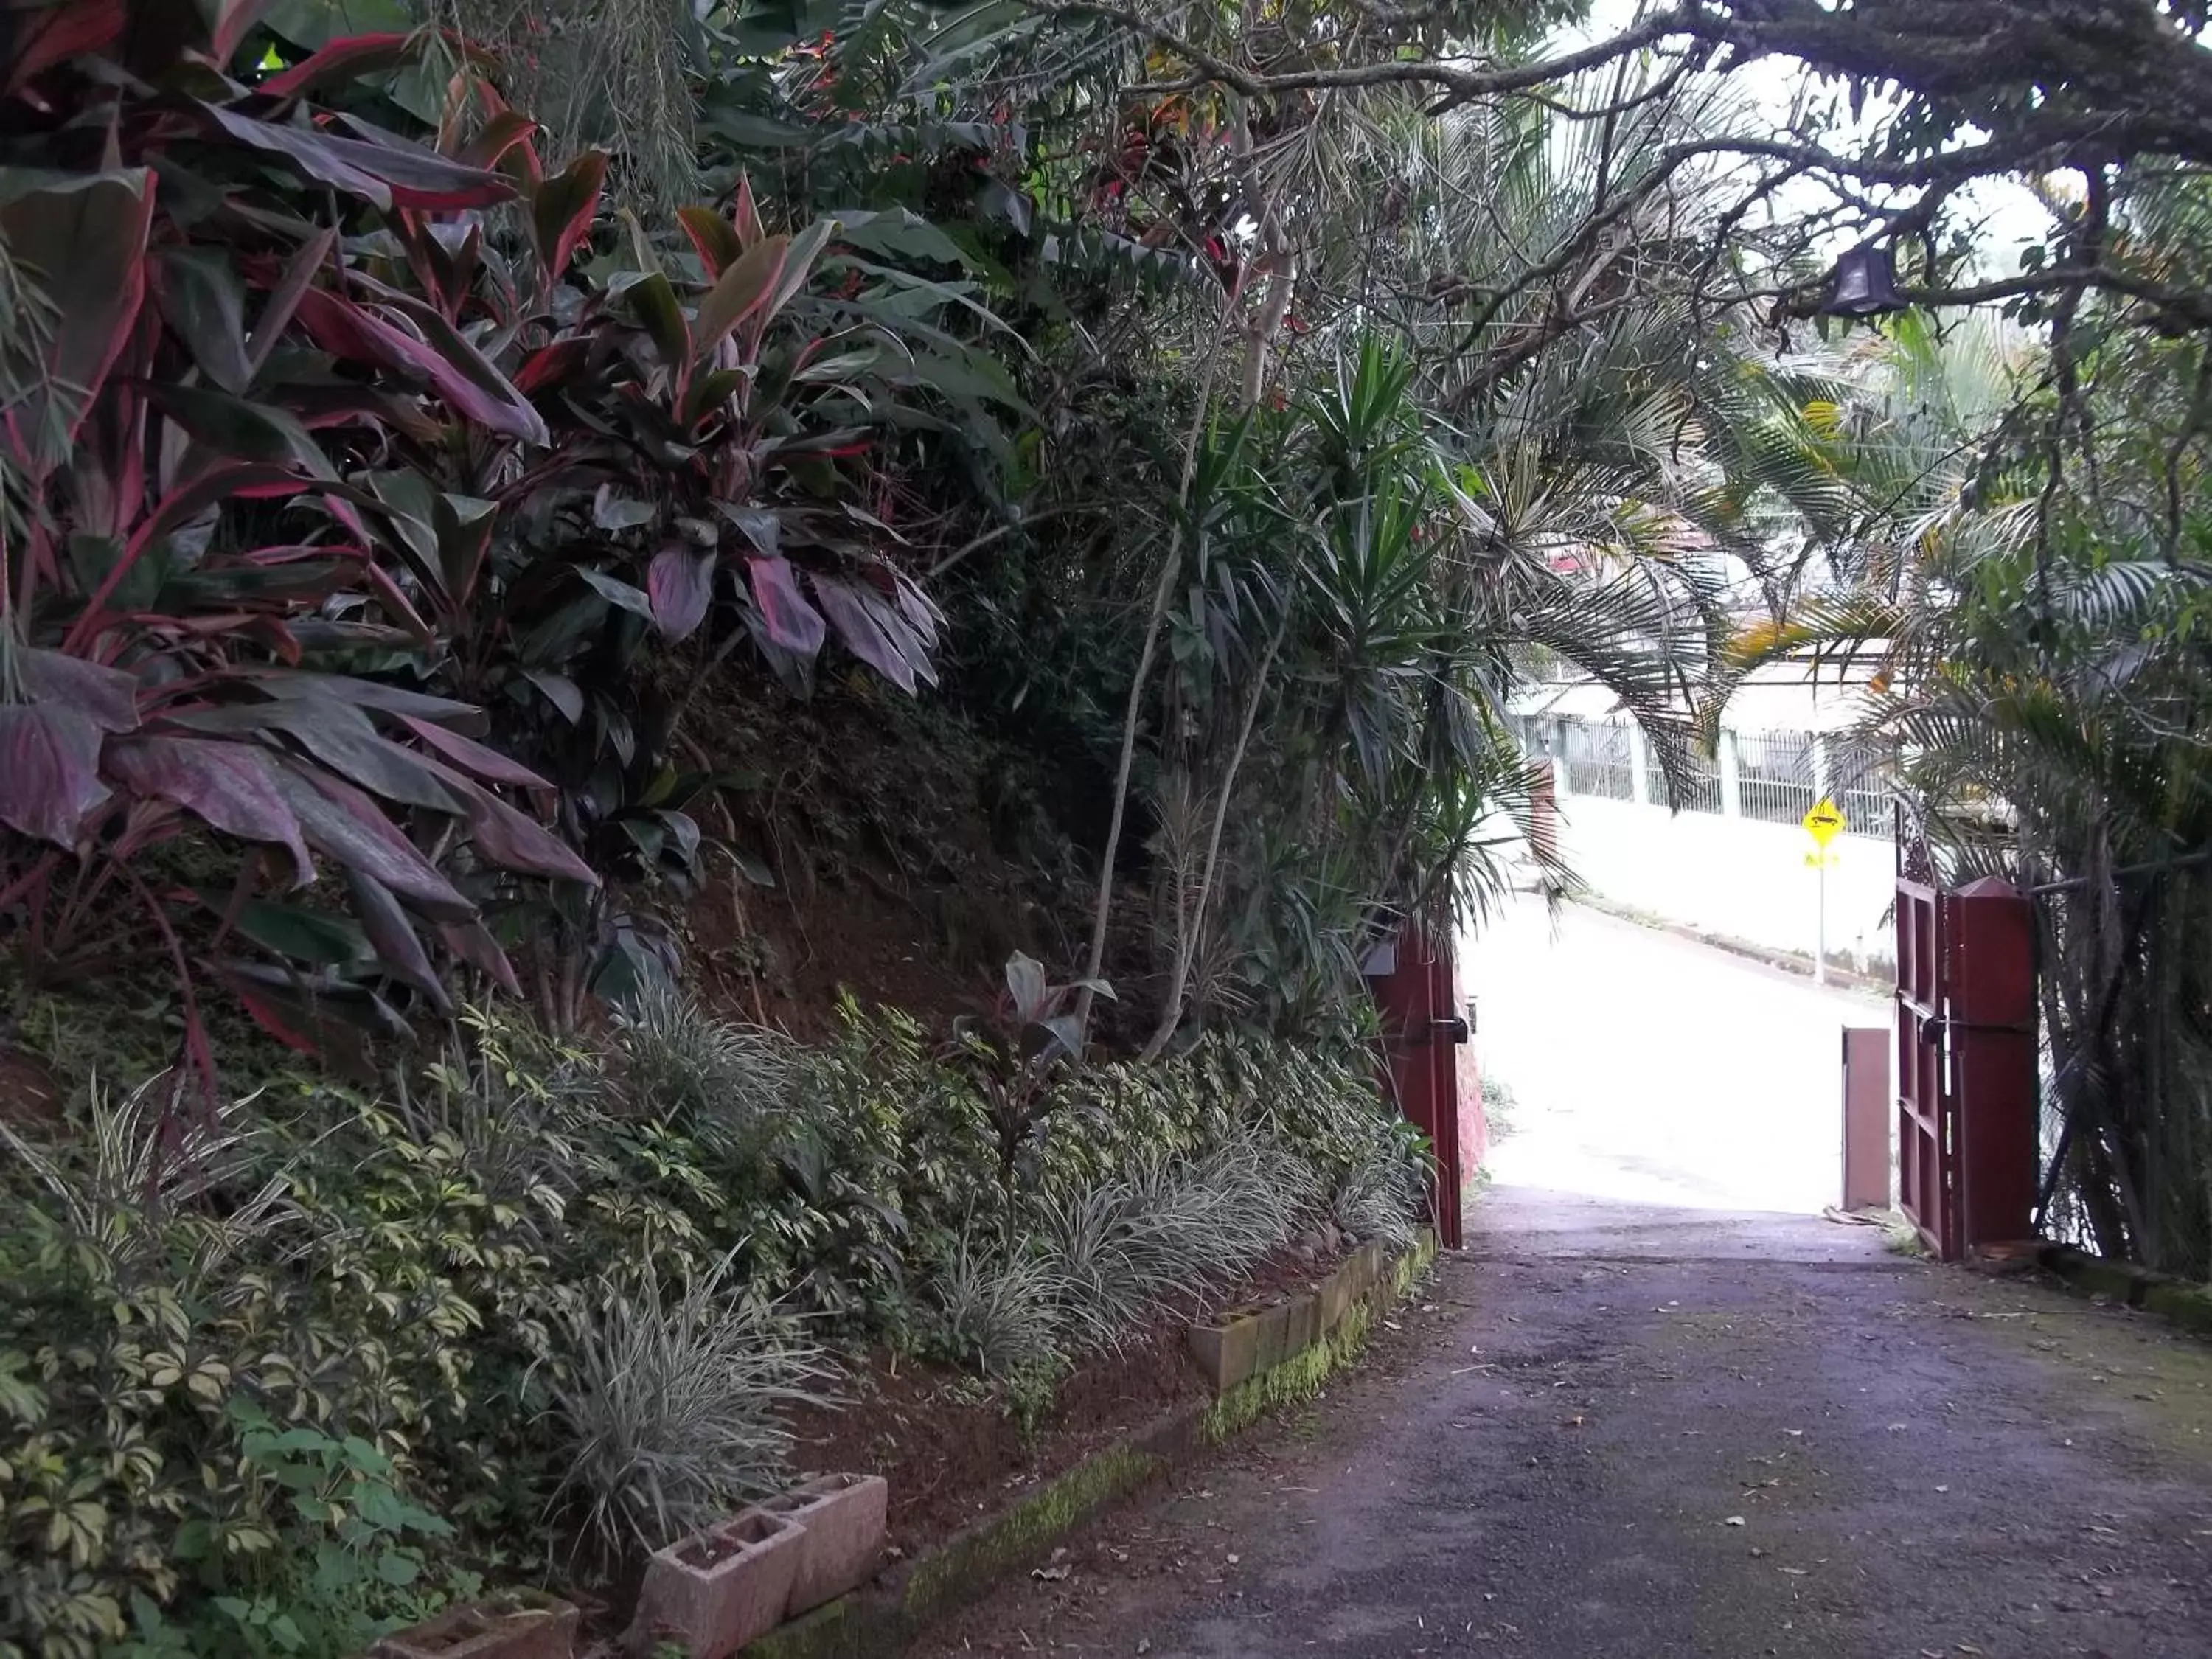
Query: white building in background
x=1730 y=857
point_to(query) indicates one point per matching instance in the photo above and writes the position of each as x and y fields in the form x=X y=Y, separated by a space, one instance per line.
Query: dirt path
x=1619 y=1431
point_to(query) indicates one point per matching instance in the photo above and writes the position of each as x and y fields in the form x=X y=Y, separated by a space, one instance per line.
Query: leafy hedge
x=246 y=1377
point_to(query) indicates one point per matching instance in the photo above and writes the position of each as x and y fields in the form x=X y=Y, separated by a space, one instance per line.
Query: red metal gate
x=1966 y=1107
x=1429 y=1054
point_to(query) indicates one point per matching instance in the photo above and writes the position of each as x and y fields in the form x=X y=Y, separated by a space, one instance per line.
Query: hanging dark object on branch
x=1864 y=284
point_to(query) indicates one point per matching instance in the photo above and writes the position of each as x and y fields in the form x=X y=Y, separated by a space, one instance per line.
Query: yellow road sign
x=1823 y=859
x=1824 y=822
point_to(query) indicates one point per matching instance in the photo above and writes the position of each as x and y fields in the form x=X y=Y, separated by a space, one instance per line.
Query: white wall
x=1741 y=877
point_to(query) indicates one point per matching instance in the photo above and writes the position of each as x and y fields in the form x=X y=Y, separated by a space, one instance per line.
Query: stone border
x=2178 y=1301
x=1251 y=1340
x=880 y=1620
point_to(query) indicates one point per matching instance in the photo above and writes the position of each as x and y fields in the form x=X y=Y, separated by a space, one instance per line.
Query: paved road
x=1653 y=1070
x=1651 y=1411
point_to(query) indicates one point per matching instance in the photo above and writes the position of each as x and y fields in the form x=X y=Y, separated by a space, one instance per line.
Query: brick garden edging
x=2179 y=1301
x=1249 y=1341
x=881 y=1620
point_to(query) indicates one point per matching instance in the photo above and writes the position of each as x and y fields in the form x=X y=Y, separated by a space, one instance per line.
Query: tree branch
x=2113 y=72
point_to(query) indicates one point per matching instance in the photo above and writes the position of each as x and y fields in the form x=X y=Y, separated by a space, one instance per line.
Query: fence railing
x=1776 y=777
x=1859 y=782
x=1602 y=759
x=1697 y=784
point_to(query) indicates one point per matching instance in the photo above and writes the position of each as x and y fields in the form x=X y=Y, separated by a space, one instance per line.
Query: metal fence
x=1776 y=777
x=1698 y=787
x=1601 y=759
x=2127 y=1061
x=1859 y=782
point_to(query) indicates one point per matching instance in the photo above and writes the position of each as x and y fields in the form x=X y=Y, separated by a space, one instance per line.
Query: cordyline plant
x=1015 y=1053
x=307 y=465
x=692 y=496
x=191 y=571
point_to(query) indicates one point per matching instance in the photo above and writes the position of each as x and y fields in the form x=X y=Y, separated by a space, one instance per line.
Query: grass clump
x=669 y=1404
x=681 y=1060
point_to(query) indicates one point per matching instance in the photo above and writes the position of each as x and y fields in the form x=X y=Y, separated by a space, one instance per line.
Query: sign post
x=1824 y=823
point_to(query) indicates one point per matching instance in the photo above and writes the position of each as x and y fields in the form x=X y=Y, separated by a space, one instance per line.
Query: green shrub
x=161 y=1322
x=1137 y=1244
x=1145 y=1184
x=1110 y=1116
x=1101 y=1277
x=667 y=1406
x=728 y=1079
x=346 y=1565
x=997 y=1310
x=503 y=1296
x=1383 y=1195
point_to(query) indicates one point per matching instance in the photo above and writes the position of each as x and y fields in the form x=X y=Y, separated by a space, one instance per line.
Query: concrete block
x=1245 y=1341
x=1367 y=1264
x=511 y=1624
x=845 y=1518
x=1336 y=1294
x=1302 y=1326
x=717 y=1589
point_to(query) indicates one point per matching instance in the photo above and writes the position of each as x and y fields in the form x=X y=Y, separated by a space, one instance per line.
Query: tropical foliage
x=272 y=1389
x=426 y=431
x=321 y=477
x=2029 y=582
x=425 y=465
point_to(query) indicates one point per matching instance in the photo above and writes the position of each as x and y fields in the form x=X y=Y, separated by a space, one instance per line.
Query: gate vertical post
x=1448 y=1038
x=1866 y=1117
x=1424 y=1031
x=1925 y=1124
x=1990 y=1022
x=1544 y=812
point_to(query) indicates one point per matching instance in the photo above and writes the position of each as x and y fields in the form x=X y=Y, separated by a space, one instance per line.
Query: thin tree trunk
x=1273 y=256
x=1170 y=562
x=1275 y=259
x=1188 y=933
x=1282 y=281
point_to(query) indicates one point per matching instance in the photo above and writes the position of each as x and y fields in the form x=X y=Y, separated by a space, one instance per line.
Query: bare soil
x=900 y=864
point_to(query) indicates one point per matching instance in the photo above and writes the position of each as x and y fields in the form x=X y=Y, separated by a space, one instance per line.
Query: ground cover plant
x=327 y=1357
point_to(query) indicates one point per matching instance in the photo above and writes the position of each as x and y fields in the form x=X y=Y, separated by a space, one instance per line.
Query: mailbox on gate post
x=1866 y=1117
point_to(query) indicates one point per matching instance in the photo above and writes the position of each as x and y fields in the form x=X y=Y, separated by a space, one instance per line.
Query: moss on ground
x=1299 y=1378
x=985 y=1552
x=2189 y=1306
x=850 y=1627
x=2147 y=1379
